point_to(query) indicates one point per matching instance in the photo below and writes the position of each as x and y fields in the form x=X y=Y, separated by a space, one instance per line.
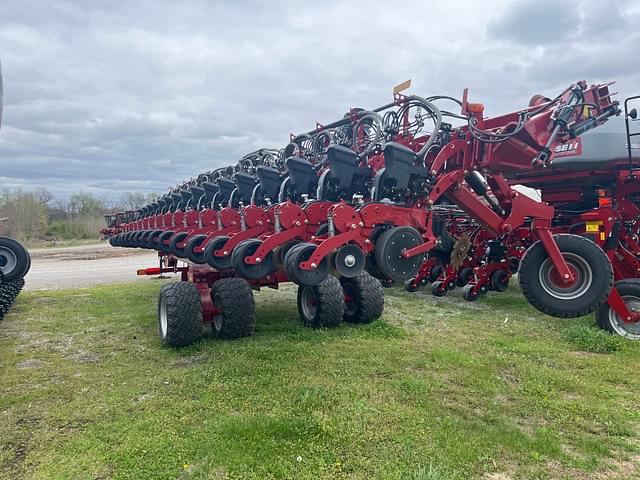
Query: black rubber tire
x=189 y=249
x=150 y=240
x=15 y=260
x=464 y=275
x=247 y=248
x=235 y=298
x=588 y=301
x=219 y=263
x=298 y=254
x=390 y=245
x=179 y=303
x=410 y=286
x=468 y=295
x=173 y=244
x=159 y=242
x=499 y=280
x=435 y=272
x=367 y=296
x=436 y=289
x=328 y=300
x=138 y=238
x=629 y=290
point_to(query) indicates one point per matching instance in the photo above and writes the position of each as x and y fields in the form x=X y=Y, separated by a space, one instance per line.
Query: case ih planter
x=399 y=193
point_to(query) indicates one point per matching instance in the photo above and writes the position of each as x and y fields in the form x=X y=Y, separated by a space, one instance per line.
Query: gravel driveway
x=81 y=266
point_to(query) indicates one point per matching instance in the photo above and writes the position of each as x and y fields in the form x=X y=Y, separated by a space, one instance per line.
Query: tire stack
x=15 y=262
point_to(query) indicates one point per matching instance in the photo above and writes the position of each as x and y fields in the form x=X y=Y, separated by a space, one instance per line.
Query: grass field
x=436 y=389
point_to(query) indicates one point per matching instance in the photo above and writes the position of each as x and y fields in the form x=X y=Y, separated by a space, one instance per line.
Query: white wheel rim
x=163 y=318
x=628 y=330
x=8 y=260
x=581 y=269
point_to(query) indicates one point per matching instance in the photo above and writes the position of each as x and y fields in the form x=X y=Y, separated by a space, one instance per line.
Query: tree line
x=39 y=215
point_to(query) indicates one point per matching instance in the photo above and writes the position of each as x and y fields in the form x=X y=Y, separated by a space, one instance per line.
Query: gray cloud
x=139 y=95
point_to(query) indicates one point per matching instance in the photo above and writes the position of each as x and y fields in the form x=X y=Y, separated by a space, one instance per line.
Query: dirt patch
x=30 y=363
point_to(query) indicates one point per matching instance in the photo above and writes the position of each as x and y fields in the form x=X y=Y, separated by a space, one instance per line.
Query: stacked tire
x=15 y=262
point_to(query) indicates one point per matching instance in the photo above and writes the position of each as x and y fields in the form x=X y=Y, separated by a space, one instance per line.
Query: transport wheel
x=219 y=263
x=173 y=244
x=464 y=275
x=468 y=294
x=437 y=290
x=235 y=298
x=388 y=253
x=609 y=320
x=301 y=253
x=499 y=281
x=349 y=260
x=189 y=249
x=166 y=235
x=247 y=248
x=321 y=305
x=179 y=314
x=363 y=298
x=543 y=288
x=15 y=260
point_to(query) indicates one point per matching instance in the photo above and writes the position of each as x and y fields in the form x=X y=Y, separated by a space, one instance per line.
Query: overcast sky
x=140 y=95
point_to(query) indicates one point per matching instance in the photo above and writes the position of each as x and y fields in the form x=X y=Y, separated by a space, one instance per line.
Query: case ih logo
x=574 y=147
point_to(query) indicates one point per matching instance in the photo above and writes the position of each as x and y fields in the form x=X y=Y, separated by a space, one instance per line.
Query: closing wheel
x=468 y=294
x=179 y=314
x=173 y=244
x=301 y=253
x=411 y=285
x=610 y=321
x=238 y=318
x=152 y=239
x=219 y=263
x=280 y=252
x=388 y=253
x=464 y=275
x=435 y=272
x=248 y=248
x=189 y=249
x=438 y=290
x=349 y=260
x=499 y=280
x=159 y=242
x=363 y=298
x=15 y=260
x=542 y=286
x=321 y=305
x=142 y=238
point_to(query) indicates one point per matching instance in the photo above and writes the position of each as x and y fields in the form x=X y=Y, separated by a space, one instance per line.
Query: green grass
x=437 y=389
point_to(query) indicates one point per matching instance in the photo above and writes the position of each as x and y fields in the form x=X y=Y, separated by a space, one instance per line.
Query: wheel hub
x=8 y=260
x=349 y=260
x=554 y=285
x=626 y=328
